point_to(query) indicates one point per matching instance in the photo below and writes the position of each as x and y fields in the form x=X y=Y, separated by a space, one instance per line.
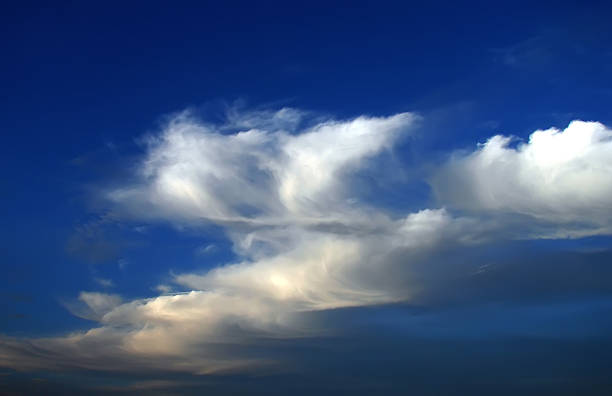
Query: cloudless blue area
x=82 y=81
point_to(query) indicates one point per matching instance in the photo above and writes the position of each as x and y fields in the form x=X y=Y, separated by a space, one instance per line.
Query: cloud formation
x=283 y=194
x=195 y=172
x=560 y=177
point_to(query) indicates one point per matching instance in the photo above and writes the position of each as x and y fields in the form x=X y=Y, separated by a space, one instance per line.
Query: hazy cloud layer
x=284 y=195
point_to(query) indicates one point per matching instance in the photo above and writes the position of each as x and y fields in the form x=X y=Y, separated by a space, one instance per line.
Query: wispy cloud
x=104 y=282
x=93 y=305
x=205 y=249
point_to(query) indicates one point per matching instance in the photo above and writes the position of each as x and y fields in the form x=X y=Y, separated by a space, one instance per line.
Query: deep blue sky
x=82 y=82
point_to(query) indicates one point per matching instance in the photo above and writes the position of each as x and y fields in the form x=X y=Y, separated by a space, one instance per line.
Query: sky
x=316 y=198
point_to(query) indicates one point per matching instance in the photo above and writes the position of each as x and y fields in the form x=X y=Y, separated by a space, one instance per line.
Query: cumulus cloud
x=557 y=176
x=282 y=190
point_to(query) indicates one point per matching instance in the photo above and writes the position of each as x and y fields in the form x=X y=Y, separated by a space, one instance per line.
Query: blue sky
x=336 y=198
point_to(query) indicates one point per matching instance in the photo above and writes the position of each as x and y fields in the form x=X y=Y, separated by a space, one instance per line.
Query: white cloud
x=164 y=289
x=284 y=197
x=195 y=173
x=104 y=282
x=93 y=305
x=205 y=249
x=235 y=304
x=562 y=177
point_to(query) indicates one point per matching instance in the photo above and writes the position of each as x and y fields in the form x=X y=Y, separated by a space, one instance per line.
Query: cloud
x=195 y=173
x=559 y=177
x=284 y=198
x=93 y=305
x=205 y=250
x=104 y=282
x=164 y=289
x=281 y=186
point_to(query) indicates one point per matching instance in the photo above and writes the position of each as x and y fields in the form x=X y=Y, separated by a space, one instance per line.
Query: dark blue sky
x=83 y=82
